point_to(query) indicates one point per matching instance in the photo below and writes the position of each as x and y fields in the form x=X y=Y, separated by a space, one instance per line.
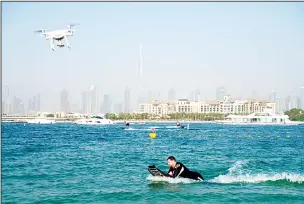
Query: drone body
x=58 y=35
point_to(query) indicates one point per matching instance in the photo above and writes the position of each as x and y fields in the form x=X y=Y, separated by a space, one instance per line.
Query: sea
x=69 y=163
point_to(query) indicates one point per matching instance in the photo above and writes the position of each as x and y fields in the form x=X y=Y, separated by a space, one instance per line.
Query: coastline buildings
x=225 y=106
x=157 y=108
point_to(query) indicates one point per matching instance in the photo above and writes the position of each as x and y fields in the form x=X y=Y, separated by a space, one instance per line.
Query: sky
x=245 y=47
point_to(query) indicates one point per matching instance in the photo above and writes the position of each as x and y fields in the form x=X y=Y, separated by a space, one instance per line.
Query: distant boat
x=258 y=119
x=94 y=120
x=41 y=121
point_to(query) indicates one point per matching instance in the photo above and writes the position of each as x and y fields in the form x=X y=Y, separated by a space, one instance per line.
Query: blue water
x=67 y=163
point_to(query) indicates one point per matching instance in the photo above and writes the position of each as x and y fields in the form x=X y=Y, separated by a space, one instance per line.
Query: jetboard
x=156 y=172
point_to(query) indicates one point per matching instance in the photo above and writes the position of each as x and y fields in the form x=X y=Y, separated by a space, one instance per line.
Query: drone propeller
x=72 y=25
x=42 y=31
x=39 y=31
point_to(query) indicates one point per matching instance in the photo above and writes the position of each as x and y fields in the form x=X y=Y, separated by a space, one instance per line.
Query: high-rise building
x=18 y=106
x=127 y=106
x=171 y=95
x=34 y=103
x=107 y=106
x=287 y=103
x=38 y=102
x=220 y=93
x=6 y=104
x=197 y=95
x=30 y=108
x=293 y=101
x=278 y=107
x=93 y=100
x=302 y=97
x=273 y=96
x=84 y=102
x=64 y=101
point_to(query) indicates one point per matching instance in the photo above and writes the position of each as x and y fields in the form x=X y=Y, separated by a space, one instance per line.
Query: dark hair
x=171 y=158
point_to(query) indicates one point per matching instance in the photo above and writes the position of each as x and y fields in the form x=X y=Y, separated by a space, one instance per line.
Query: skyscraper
x=18 y=106
x=107 y=106
x=220 y=93
x=34 y=103
x=142 y=94
x=287 y=103
x=293 y=103
x=171 y=95
x=64 y=101
x=197 y=95
x=84 y=100
x=38 y=102
x=302 y=97
x=278 y=106
x=273 y=96
x=127 y=108
x=6 y=100
x=93 y=97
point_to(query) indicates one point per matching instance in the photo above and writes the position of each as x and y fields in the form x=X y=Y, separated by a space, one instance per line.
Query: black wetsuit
x=181 y=171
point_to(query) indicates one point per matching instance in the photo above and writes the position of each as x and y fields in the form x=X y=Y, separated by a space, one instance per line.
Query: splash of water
x=236 y=175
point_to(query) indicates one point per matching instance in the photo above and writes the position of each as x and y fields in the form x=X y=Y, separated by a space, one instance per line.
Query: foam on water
x=236 y=175
x=135 y=129
x=170 y=180
x=258 y=178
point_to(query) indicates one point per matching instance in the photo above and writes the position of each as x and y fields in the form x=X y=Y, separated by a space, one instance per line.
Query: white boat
x=258 y=119
x=41 y=121
x=94 y=120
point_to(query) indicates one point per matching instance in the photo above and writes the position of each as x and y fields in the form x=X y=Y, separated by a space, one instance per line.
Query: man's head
x=171 y=161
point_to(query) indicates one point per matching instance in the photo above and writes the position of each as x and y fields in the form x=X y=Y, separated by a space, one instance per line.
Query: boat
x=41 y=121
x=94 y=120
x=258 y=119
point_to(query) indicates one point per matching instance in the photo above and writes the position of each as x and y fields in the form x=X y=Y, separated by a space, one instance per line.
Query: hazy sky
x=245 y=47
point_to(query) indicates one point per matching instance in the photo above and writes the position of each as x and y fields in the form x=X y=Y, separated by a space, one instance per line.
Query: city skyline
x=93 y=105
x=243 y=47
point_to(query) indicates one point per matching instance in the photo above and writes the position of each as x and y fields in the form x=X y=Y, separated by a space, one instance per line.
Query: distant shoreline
x=64 y=120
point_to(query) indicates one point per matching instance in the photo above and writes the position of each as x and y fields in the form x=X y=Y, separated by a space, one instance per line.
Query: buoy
x=152 y=134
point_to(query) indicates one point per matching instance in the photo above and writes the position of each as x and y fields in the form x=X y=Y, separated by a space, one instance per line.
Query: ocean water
x=67 y=163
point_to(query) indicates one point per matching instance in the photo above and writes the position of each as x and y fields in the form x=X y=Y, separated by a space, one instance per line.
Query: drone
x=58 y=35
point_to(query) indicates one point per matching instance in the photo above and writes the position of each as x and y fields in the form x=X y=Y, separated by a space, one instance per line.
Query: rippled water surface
x=67 y=163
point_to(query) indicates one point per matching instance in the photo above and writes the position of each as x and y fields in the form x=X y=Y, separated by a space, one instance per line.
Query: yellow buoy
x=152 y=135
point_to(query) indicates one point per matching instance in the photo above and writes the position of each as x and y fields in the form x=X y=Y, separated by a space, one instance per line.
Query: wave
x=170 y=180
x=130 y=129
x=259 y=178
x=237 y=174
